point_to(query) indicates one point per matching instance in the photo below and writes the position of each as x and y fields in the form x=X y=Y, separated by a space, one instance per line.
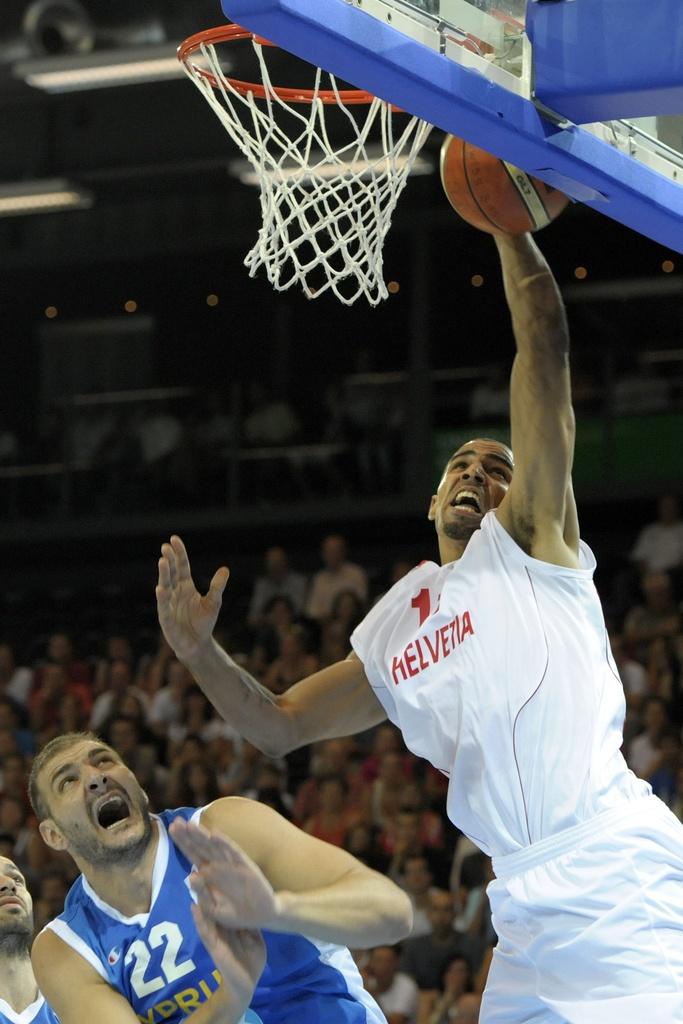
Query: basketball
x=493 y=195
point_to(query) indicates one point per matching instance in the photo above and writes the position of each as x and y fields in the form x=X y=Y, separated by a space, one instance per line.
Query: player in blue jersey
x=128 y=946
x=20 y=1000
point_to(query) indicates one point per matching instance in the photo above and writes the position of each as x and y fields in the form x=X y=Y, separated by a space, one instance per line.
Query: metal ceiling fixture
x=54 y=27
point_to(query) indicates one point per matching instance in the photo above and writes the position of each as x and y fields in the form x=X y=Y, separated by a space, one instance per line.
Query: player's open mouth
x=468 y=502
x=111 y=810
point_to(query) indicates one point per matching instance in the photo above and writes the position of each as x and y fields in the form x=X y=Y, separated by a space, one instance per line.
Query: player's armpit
x=337 y=701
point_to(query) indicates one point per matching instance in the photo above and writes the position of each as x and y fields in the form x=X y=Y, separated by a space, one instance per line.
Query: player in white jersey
x=20 y=1000
x=496 y=666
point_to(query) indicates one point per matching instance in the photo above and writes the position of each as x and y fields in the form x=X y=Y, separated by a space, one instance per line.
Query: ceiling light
x=99 y=70
x=47 y=196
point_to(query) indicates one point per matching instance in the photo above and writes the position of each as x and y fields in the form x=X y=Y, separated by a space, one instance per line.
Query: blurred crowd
x=364 y=793
x=180 y=447
x=185 y=447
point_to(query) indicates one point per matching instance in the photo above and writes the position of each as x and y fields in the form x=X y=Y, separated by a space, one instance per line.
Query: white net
x=326 y=205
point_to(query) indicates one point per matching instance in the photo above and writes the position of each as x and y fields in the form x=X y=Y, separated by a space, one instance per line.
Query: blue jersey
x=160 y=965
x=37 y=1013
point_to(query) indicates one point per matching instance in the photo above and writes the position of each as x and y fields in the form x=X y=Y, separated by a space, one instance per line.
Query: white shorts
x=590 y=924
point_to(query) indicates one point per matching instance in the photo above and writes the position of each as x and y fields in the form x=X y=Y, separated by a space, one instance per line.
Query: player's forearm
x=533 y=297
x=361 y=910
x=240 y=699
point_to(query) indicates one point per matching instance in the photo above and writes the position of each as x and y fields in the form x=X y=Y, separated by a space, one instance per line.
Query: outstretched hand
x=186 y=617
x=230 y=889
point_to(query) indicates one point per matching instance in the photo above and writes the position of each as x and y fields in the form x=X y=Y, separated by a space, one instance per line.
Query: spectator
x=14 y=778
x=60 y=652
x=6 y=845
x=425 y=957
x=396 y=992
x=278 y=580
x=430 y=824
x=337 y=575
x=635 y=680
x=333 y=818
x=665 y=673
x=117 y=648
x=72 y=715
x=12 y=717
x=347 y=612
x=196 y=717
x=293 y=663
x=49 y=902
x=14 y=822
x=659 y=546
x=194 y=785
x=441 y=1006
x=474 y=918
x=226 y=756
x=417 y=881
x=361 y=842
x=8 y=743
x=278 y=619
x=664 y=778
x=15 y=681
x=403 y=837
x=132 y=706
x=45 y=704
x=166 y=707
x=467 y=1008
x=124 y=734
x=677 y=798
x=385 y=738
x=644 y=752
x=659 y=616
x=385 y=793
x=116 y=680
x=330 y=757
x=270 y=788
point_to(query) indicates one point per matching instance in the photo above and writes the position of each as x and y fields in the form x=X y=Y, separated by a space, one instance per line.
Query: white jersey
x=497 y=669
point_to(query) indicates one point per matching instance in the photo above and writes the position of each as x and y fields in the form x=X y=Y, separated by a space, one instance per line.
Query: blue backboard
x=520 y=78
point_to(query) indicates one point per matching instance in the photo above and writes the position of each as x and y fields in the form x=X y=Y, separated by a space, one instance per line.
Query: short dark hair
x=50 y=751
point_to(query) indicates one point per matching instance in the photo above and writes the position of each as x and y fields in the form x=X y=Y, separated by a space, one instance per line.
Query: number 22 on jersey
x=139 y=954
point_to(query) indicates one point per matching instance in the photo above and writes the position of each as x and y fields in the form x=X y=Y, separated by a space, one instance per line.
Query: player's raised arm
x=77 y=993
x=336 y=701
x=538 y=510
x=258 y=870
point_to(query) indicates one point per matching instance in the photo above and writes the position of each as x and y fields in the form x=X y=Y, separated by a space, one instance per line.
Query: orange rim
x=231 y=33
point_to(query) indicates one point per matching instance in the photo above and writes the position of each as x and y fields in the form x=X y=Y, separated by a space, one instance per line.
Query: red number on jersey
x=422 y=602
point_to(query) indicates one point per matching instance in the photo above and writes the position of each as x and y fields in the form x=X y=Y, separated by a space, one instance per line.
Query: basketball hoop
x=326 y=204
